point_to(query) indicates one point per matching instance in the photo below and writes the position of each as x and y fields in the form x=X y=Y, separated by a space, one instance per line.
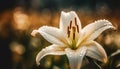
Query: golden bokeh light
x=21 y=19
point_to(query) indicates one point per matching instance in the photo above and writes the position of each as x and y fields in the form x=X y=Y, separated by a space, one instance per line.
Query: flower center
x=73 y=33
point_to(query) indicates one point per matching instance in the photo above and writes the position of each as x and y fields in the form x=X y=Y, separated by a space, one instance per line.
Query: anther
x=76 y=25
x=68 y=31
x=77 y=28
x=70 y=24
x=75 y=21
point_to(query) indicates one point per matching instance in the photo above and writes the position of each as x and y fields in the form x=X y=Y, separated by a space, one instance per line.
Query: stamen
x=70 y=24
x=68 y=31
x=74 y=30
x=75 y=21
x=76 y=25
x=77 y=28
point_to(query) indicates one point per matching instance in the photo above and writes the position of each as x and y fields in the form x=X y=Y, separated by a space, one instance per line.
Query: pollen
x=70 y=24
x=77 y=27
x=73 y=29
x=75 y=21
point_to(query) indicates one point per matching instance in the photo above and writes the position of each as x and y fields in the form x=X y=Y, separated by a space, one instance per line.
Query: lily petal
x=96 y=51
x=93 y=30
x=66 y=18
x=52 y=34
x=50 y=50
x=75 y=57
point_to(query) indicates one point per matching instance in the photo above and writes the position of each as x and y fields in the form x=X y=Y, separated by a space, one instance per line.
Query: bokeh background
x=18 y=18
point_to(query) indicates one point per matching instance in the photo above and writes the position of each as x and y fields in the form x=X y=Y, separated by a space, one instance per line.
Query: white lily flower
x=72 y=40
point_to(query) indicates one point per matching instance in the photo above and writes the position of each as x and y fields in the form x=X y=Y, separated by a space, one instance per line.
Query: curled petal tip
x=114 y=28
x=38 y=63
x=34 y=32
x=105 y=60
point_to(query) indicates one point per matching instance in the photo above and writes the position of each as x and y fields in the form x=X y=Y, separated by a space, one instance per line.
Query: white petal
x=52 y=34
x=75 y=57
x=93 y=30
x=50 y=50
x=66 y=18
x=97 y=52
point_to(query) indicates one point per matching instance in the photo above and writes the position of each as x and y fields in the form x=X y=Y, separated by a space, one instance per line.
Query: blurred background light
x=17 y=48
x=21 y=19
